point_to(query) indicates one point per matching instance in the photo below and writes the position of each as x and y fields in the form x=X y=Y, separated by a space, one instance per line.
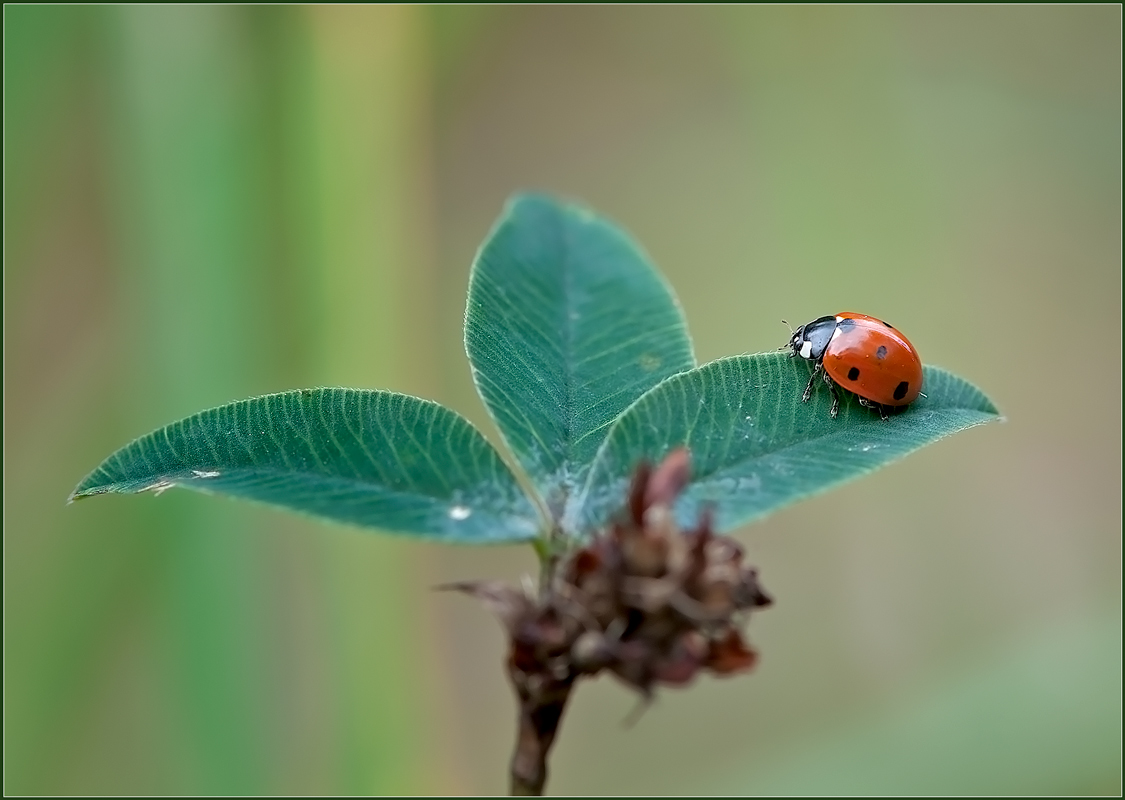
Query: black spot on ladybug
x=889 y=325
x=901 y=390
x=881 y=353
x=845 y=325
x=853 y=373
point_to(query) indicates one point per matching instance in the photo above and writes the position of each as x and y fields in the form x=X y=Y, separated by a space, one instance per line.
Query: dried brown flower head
x=645 y=600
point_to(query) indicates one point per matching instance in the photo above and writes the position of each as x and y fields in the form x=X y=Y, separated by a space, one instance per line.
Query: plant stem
x=540 y=712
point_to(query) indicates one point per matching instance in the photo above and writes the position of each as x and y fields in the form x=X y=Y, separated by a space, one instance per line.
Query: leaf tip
x=81 y=492
x=545 y=202
x=988 y=406
x=530 y=197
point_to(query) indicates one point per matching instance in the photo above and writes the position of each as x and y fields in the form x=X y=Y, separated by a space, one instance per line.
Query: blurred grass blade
x=567 y=324
x=371 y=458
x=756 y=447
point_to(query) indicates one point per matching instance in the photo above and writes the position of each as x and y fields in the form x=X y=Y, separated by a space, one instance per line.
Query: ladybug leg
x=812 y=380
x=835 y=395
x=882 y=409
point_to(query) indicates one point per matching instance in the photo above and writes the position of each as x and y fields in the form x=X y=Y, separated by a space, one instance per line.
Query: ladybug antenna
x=791 y=333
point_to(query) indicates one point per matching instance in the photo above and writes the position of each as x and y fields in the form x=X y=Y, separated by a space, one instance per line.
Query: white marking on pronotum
x=159 y=487
x=806 y=349
x=460 y=512
x=840 y=319
x=836 y=332
x=199 y=473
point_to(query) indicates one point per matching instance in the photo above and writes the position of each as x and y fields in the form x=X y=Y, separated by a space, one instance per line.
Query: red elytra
x=864 y=355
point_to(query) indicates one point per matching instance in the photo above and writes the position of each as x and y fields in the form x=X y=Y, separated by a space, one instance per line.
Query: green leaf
x=756 y=447
x=567 y=324
x=370 y=458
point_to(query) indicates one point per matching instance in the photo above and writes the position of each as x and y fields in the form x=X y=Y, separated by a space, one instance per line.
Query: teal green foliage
x=756 y=447
x=370 y=458
x=582 y=357
x=567 y=324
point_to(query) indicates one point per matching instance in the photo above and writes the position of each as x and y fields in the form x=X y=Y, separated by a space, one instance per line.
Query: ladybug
x=862 y=354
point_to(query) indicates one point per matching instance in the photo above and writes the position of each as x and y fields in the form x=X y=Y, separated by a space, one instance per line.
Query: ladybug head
x=811 y=339
x=795 y=340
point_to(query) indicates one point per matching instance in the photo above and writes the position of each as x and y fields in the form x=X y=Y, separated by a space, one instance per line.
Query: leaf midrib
x=569 y=336
x=269 y=472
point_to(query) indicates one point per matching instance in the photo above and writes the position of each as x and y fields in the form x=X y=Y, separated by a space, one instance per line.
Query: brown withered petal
x=584 y=562
x=591 y=652
x=724 y=550
x=676 y=669
x=669 y=479
x=730 y=655
x=749 y=593
x=635 y=503
x=545 y=634
x=647 y=594
x=696 y=560
x=644 y=553
x=684 y=660
x=633 y=662
x=717 y=596
x=510 y=605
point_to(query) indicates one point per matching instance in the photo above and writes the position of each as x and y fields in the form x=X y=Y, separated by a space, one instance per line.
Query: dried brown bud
x=643 y=599
x=669 y=479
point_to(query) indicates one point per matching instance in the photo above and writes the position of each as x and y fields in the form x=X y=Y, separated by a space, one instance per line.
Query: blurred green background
x=204 y=204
